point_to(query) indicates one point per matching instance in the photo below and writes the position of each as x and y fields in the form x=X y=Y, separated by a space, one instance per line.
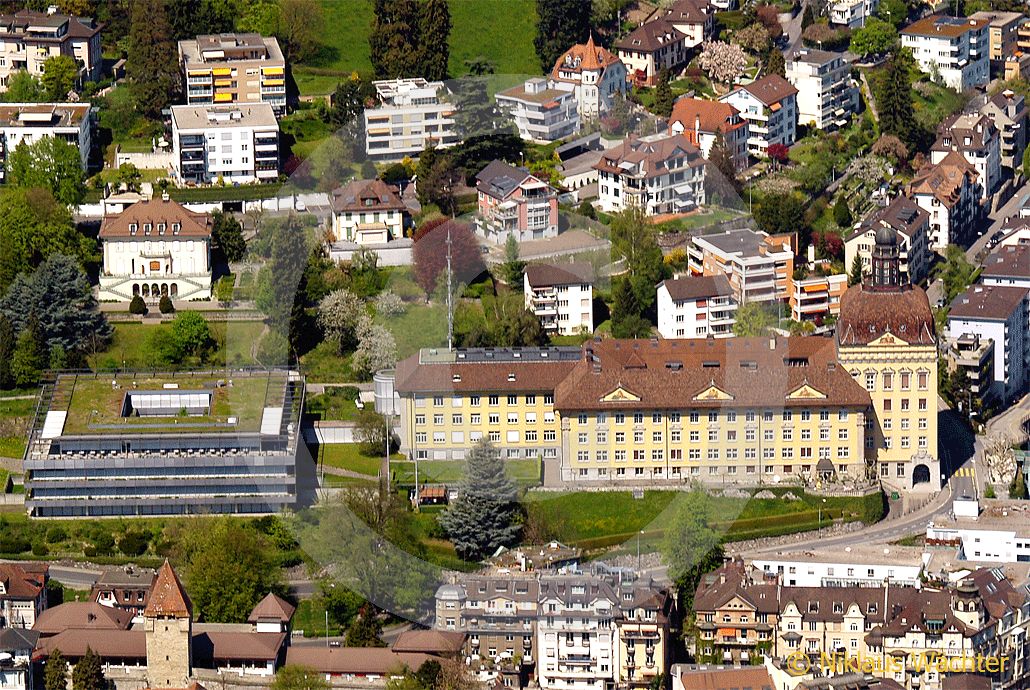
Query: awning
x=727 y=632
x=272 y=70
x=223 y=97
x=273 y=82
x=814 y=288
x=222 y=71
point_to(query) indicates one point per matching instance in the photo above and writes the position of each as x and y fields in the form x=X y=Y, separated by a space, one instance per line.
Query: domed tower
x=886 y=261
x=967 y=605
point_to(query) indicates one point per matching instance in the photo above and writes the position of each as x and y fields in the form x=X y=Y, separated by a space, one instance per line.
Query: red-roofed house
x=514 y=202
x=700 y=121
x=770 y=106
x=660 y=175
x=595 y=72
x=650 y=48
x=22 y=594
x=949 y=191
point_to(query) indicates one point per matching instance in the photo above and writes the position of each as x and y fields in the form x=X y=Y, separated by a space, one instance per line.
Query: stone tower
x=967 y=605
x=168 y=621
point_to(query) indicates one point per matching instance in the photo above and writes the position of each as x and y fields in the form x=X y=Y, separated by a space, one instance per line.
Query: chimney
x=772 y=342
x=165 y=196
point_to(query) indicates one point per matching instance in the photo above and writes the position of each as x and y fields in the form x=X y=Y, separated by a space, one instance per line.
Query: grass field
x=501 y=31
x=15 y=417
x=348 y=456
x=129 y=348
x=420 y=325
x=525 y=472
x=336 y=404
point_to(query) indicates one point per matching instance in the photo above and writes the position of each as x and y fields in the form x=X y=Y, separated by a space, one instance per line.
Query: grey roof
x=697 y=287
x=542 y=275
x=18 y=639
x=815 y=57
x=987 y=302
x=498 y=179
x=744 y=242
x=205 y=117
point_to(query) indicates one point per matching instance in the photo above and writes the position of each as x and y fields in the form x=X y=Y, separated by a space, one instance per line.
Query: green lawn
x=348 y=456
x=310 y=618
x=420 y=325
x=323 y=364
x=129 y=346
x=500 y=31
x=15 y=418
x=336 y=404
x=525 y=472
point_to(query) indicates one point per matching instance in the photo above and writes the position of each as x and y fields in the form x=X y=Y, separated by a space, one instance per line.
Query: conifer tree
x=663 y=97
x=152 y=66
x=30 y=355
x=55 y=674
x=720 y=157
x=560 y=25
x=775 y=64
x=855 y=277
x=484 y=516
x=434 y=29
x=88 y=673
x=894 y=100
x=394 y=38
x=8 y=341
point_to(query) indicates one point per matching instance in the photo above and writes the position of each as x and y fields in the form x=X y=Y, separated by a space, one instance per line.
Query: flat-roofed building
x=974 y=355
x=696 y=307
x=27 y=123
x=1008 y=111
x=911 y=226
x=817 y=295
x=956 y=48
x=759 y=267
x=542 y=110
x=827 y=95
x=999 y=313
x=412 y=114
x=855 y=566
x=29 y=38
x=234 y=68
x=852 y=13
x=137 y=444
x=237 y=143
x=1002 y=31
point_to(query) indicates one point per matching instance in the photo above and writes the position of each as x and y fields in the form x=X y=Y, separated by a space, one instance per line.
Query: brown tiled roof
x=168 y=597
x=770 y=89
x=272 y=607
x=910 y=609
x=352 y=196
x=19 y=583
x=678 y=374
x=89 y=616
x=945 y=179
x=567 y=274
x=687 y=12
x=193 y=225
x=112 y=644
x=865 y=315
x=353 y=660
x=705 y=116
x=697 y=287
x=650 y=154
x=440 y=642
x=937 y=25
x=590 y=56
x=953 y=132
x=832 y=603
x=211 y=647
x=503 y=375
x=650 y=36
x=987 y=302
x=730 y=581
x=499 y=180
x=902 y=214
x=756 y=678
x=1008 y=261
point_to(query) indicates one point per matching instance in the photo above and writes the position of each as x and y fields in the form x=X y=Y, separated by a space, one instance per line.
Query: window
x=474 y=401
x=656 y=418
x=713 y=417
x=494 y=400
x=582 y=419
x=788 y=434
x=513 y=400
x=620 y=437
x=620 y=418
x=888 y=380
x=638 y=417
x=713 y=435
x=695 y=436
x=420 y=419
x=923 y=380
x=438 y=401
x=870 y=381
x=694 y=418
x=437 y=419
x=456 y=419
x=548 y=399
x=842 y=434
x=531 y=400
x=494 y=418
x=731 y=417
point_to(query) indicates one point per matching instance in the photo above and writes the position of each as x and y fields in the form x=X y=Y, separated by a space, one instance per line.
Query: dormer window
x=176 y=227
x=147 y=228
x=161 y=227
x=133 y=228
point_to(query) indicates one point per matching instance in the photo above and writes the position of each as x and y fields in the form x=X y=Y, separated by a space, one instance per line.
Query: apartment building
x=23 y=594
x=595 y=73
x=1007 y=264
x=1002 y=33
x=498 y=614
x=154 y=249
x=911 y=226
x=664 y=174
x=236 y=143
x=234 y=68
x=696 y=307
x=769 y=105
x=731 y=409
x=702 y=121
x=999 y=313
x=735 y=615
x=368 y=212
x=18 y=645
x=27 y=123
x=541 y=109
x=856 y=566
x=562 y=297
x=450 y=400
x=28 y=38
x=514 y=202
x=817 y=294
x=695 y=19
x=974 y=355
x=886 y=341
x=827 y=96
x=954 y=50
x=1008 y=111
x=978 y=140
x=949 y=192
x=852 y=13
x=759 y=267
x=650 y=48
x=412 y=114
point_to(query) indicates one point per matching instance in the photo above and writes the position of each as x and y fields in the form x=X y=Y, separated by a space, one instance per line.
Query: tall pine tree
x=775 y=63
x=88 y=674
x=894 y=100
x=725 y=185
x=8 y=342
x=394 y=38
x=561 y=24
x=663 y=97
x=484 y=516
x=855 y=276
x=434 y=29
x=152 y=67
x=55 y=672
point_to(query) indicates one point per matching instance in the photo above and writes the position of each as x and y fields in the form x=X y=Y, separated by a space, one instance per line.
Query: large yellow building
x=886 y=341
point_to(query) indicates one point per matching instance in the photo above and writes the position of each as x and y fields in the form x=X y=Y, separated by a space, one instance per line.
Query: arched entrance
x=135 y=289
x=920 y=475
x=164 y=289
x=175 y=289
x=146 y=290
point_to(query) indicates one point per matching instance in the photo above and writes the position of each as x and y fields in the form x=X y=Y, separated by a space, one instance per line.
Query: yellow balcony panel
x=223 y=82
x=272 y=70
x=273 y=82
x=222 y=71
x=223 y=98
x=199 y=73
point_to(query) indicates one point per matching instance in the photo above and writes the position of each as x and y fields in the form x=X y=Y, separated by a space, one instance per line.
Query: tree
x=227 y=233
x=55 y=673
x=190 y=328
x=634 y=239
x=59 y=75
x=956 y=272
x=134 y=543
x=778 y=153
x=430 y=254
x=560 y=24
x=388 y=304
x=856 y=274
x=513 y=325
x=753 y=320
x=514 y=267
x=894 y=100
x=152 y=64
x=228 y=567
x=890 y=147
x=376 y=349
x=348 y=102
x=298 y=677
x=722 y=181
x=137 y=306
x=8 y=342
x=34 y=226
x=484 y=515
x=769 y=17
x=1018 y=488
x=339 y=314
x=298 y=27
x=775 y=64
x=627 y=312
x=1026 y=162
x=22 y=87
x=394 y=38
x=190 y=18
x=877 y=36
x=366 y=629
x=49 y=163
x=129 y=176
x=434 y=29
x=280 y=284
x=88 y=673
x=663 y=97
x=722 y=62
x=780 y=213
x=841 y=213
x=807 y=17
x=894 y=12
x=690 y=546
x=164 y=305
x=753 y=38
x=29 y=356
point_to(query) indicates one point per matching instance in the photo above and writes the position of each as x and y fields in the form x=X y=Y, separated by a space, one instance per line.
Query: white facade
x=595 y=73
x=998 y=313
x=852 y=13
x=979 y=142
x=563 y=306
x=576 y=645
x=950 y=193
x=28 y=39
x=955 y=48
x=825 y=572
x=542 y=110
x=771 y=120
x=29 y=122
x=827 y=95
x=412 y=114
x=236 y=143
x=986 y=543
x=659 y=175
x=695 y=313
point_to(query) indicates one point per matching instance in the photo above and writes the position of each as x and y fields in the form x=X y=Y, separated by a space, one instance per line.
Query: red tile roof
x=866 y=315
x=945 y=179
x=192 y=225
x=272 y=607
x=89 y=616
x=650 y=155
x=168 y=597
x=441 y=642
x=770 y=89
x=705 y=116
x=417 y=374
x=361 y=661
x=354 y=195
x=20 y=583
x=581 y=57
